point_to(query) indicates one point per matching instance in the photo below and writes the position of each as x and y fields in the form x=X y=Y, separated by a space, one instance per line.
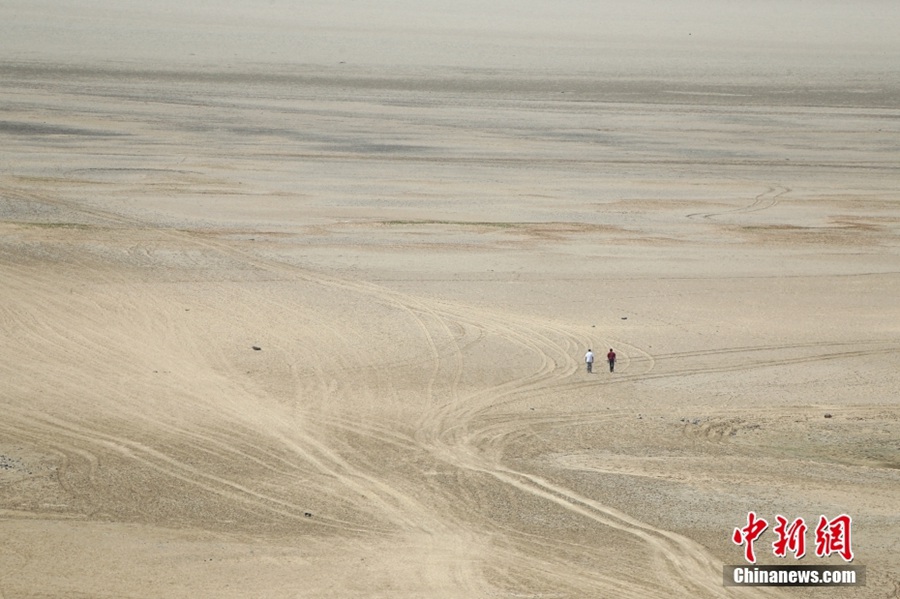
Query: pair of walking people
x=610 y=357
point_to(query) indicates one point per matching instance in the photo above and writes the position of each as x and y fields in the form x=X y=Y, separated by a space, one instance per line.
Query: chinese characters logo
x=831 y=536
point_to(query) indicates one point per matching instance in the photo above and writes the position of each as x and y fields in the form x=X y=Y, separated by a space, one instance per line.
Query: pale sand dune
x=422 y=256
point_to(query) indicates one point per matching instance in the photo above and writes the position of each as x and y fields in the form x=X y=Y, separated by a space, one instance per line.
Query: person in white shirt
x=589 y=359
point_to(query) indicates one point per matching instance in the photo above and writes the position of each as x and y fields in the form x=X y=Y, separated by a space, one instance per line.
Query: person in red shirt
x=611 y=358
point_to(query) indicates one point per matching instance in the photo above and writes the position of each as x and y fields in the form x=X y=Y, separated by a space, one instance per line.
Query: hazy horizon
x=575 y=36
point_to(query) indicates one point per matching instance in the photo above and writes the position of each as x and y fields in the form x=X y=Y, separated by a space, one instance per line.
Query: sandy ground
x=318 y=331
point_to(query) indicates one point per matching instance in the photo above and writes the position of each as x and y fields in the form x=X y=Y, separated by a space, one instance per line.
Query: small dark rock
x=307 y=514
x=827 y=415
x=256 y=348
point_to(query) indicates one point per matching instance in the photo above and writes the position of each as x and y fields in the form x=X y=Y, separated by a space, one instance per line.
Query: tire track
x=397 y=505
x=746 y=365
x=456 y=431
x=764 y=201
x=179 y=470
